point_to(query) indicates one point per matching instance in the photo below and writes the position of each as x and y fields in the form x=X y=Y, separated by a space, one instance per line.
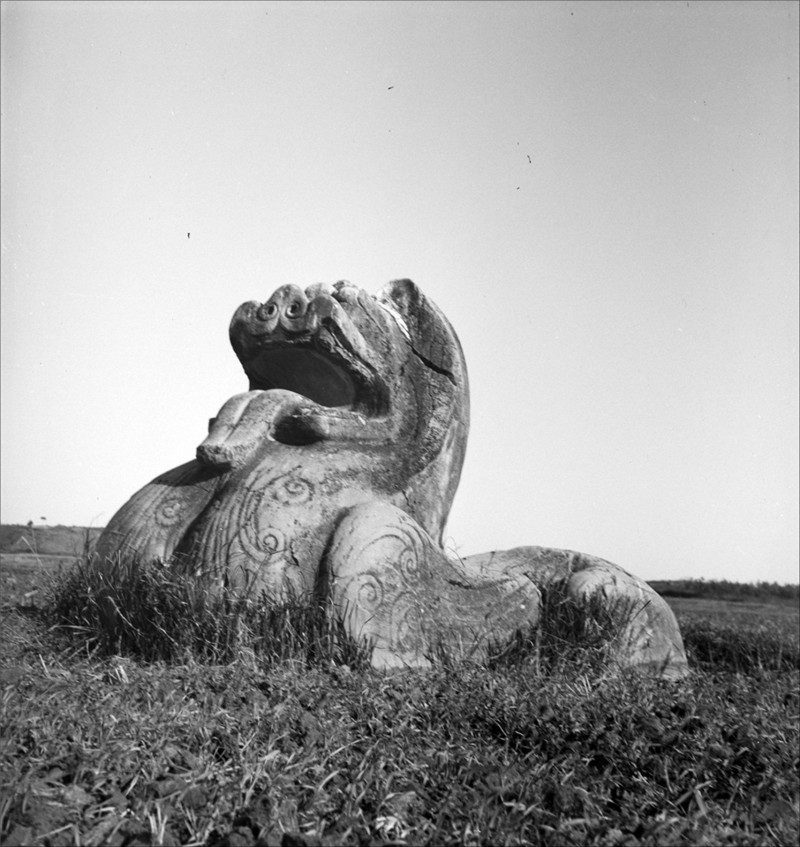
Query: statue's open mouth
x=307 y=343
x=320 y=369
x=304 y=371
x=311 y=373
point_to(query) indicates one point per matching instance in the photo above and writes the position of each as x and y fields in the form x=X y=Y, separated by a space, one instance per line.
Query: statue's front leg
x=648 y=638
x=393 y=587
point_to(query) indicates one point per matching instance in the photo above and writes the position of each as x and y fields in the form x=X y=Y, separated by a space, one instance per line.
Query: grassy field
x=245 y=744
x=47 y=540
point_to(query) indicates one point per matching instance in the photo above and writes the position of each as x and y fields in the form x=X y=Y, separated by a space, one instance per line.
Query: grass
x=177 y=718
x=152 y=611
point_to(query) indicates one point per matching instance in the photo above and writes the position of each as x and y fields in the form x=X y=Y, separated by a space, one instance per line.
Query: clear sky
x=602 y=197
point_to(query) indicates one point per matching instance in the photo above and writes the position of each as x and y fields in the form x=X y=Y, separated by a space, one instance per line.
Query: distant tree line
x=723 y=589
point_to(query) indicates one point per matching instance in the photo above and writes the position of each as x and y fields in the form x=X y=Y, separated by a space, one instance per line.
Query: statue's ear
x=429 y=331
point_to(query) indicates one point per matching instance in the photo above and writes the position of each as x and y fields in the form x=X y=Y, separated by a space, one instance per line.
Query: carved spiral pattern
x=370 y=592
x=272 y=541
x=258 y=537
x=169 y=511
x=289 y=489
x=409 y=564
x=292 y=490
x=262 y=544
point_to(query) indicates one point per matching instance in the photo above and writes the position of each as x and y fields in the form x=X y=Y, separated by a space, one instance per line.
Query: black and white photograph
x=400 y=422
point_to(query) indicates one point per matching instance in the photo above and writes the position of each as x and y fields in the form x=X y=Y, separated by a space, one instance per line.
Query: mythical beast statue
x=334 y=474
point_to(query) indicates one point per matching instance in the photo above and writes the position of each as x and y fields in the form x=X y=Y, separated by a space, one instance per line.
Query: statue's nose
x=288 y=304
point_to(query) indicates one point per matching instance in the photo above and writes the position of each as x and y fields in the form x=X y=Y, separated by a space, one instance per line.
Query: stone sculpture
x=333 y=476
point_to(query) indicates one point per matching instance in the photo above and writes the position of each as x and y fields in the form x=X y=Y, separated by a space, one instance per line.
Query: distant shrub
x=718 y=646
x=723 y=589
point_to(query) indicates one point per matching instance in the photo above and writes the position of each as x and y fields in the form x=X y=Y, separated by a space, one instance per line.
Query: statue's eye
x=264 y=313
x=294 y=309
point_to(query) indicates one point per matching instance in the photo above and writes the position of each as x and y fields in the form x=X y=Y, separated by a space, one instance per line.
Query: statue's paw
x=300 y=425
x=647 y=636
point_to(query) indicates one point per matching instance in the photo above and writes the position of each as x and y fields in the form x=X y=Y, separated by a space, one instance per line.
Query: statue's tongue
x=241 y=425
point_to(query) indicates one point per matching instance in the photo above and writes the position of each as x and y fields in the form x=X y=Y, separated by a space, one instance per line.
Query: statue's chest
x=284 y=511
x=302 y=491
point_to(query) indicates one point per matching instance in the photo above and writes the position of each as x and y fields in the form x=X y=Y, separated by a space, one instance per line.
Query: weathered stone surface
x=333 y=475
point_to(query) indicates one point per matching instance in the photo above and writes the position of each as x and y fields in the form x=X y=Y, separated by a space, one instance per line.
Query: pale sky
x=602 y=197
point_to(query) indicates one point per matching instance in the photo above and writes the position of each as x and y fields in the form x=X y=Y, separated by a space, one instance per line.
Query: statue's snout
x=286 y=309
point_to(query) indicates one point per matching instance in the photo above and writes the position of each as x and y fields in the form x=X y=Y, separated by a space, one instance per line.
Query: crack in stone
x=433 y=366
